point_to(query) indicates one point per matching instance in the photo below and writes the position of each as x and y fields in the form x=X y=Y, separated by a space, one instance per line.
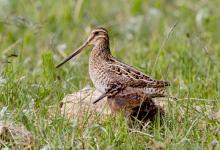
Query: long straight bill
x=73 y=54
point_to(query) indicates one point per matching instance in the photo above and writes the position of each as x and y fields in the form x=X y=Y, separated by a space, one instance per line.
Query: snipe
x=110 y=76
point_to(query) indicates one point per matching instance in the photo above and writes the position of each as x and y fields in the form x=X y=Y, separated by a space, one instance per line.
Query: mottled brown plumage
x=112 y=77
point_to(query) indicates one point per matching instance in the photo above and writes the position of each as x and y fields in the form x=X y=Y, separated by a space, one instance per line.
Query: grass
x=173 y=40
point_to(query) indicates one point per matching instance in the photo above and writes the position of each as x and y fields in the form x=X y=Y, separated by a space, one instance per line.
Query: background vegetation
x=176 y=40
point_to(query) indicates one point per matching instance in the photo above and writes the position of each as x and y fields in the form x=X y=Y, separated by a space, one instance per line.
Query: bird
x=111 y=76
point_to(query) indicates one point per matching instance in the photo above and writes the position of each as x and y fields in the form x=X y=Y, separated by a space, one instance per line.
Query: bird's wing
x=112 y=90
x=135 y=77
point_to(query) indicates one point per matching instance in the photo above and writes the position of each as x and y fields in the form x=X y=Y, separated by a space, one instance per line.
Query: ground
x=173 y=40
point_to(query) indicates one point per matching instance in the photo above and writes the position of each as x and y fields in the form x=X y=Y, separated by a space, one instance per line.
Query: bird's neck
x=101 y=50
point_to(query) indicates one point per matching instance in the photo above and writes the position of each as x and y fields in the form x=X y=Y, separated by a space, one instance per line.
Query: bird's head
x=97 y=36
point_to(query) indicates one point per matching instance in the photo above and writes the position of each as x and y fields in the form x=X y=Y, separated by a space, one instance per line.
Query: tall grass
x=143 y=34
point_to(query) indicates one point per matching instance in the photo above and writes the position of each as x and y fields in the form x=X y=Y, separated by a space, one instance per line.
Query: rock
x=15 y=136
x=75 y=104
x=132 y=102
x=214 y=116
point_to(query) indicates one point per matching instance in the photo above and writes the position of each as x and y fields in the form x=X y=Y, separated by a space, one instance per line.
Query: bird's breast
x=98 y=76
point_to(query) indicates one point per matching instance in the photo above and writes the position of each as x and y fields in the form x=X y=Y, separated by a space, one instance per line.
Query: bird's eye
x=96 y=33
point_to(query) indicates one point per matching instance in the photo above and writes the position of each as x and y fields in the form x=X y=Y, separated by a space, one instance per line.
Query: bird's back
x=111 y=71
